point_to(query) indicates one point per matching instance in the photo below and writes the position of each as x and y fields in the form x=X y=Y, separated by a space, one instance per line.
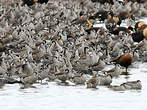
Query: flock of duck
x=58 y=40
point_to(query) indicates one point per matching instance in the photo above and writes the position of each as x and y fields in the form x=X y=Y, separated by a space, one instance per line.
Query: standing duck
x=125 y=60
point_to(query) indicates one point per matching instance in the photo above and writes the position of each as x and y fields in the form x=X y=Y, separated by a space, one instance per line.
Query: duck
x=91 y=85
x=136 y=56
x=110 y=24
x=144 y=26
x=43 y=74
x=139 y=24
x=116 y=30
x=117 y=87
x=124 y=60
x=133 y=85
x=28 y=79
x=63 y=75
x=103 y=80
x=140 y=35
x=83 y=20
x=8 y=80
x=117 y=19
x=102 y=15
x=113 y=17
x=100 y=65
x=78 y=79
x=27 y=69
x=115 y=72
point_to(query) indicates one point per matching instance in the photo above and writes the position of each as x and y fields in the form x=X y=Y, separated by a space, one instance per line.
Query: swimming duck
x=115 y=72
x=100 y=65
x=133 y=85
x=117 y=87
x=62 y=76
x=78 y=79
x=104 y=79
x=28 y=79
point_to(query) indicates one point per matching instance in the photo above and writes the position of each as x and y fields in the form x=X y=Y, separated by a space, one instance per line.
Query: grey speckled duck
x=133 y=85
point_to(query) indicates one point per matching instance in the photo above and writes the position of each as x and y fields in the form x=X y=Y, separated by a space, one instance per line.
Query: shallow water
x=51 y=96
